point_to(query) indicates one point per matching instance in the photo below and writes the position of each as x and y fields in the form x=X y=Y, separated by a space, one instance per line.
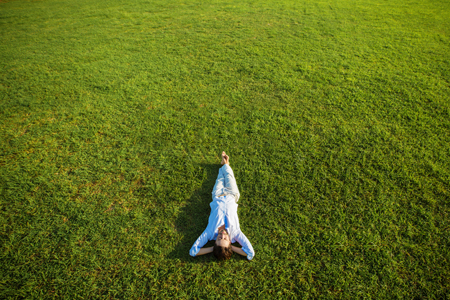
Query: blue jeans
x=226 y=183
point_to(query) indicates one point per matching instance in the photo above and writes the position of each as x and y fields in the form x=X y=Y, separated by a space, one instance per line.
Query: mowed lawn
x=336 y=116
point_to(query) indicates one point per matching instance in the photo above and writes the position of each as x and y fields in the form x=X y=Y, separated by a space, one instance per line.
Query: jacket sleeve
x=245 y=243
x=200 y=242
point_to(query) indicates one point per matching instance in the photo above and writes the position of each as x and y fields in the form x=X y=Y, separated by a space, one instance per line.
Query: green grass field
x=336 y=116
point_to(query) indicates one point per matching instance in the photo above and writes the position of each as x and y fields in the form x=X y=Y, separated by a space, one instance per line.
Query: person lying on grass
x=223 y=223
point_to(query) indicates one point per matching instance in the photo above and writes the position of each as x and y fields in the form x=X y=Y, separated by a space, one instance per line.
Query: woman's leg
x=225 y=182
x=219 y=185
x=230 y=182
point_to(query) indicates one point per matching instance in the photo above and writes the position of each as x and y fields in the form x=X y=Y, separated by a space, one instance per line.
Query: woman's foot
x=225 y=159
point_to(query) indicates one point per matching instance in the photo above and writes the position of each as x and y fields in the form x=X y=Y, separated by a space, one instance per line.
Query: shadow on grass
x=193 y=217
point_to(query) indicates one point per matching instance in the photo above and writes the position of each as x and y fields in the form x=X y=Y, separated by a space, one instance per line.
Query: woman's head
x=222 y=247
x=222 y=253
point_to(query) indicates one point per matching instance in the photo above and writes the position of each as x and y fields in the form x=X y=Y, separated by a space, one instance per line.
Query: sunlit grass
x=335 y=115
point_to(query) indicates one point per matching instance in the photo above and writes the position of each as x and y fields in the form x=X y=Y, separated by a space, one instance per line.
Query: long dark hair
x=222 y=253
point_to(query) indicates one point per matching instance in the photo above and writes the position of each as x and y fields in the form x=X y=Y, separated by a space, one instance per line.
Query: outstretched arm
x=246 y=246
x=238 y=250
x=199 y=243
x=205 y=250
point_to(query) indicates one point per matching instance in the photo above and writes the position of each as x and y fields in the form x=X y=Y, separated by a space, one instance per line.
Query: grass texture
x=335 y=114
